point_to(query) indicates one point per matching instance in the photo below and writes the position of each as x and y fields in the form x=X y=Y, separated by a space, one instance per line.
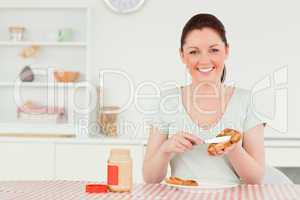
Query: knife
x=217 y=140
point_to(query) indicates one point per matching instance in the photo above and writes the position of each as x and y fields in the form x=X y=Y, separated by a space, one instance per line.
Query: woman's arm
x=155 y=162
x=160 y=150
x=249 y=161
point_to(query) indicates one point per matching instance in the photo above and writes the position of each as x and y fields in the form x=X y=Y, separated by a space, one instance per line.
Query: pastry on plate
x=190 y=183
x=178 y=181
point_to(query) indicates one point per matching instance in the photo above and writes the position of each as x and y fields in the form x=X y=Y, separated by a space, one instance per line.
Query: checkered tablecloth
x=75 y=190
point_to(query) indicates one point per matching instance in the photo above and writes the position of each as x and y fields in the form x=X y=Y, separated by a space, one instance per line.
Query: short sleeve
x=252 y=118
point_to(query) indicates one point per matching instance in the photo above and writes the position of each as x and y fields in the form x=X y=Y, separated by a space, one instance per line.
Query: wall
x=263 y=37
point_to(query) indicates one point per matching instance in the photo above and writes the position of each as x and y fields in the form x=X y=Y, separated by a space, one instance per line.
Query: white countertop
x=284 y=141
x=75 y=140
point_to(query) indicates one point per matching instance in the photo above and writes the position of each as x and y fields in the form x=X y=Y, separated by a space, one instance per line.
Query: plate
x=202 y=185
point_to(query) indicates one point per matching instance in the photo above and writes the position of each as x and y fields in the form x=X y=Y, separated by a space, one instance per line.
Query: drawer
x=283 y=156
x=26 y=161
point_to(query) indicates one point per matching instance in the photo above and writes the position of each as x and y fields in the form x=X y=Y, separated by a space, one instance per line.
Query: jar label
x=112 y=175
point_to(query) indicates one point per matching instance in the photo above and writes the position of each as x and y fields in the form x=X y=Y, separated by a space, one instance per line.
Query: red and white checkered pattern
x=75 y=190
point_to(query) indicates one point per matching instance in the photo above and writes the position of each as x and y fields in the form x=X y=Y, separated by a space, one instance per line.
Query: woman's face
x=204 y=54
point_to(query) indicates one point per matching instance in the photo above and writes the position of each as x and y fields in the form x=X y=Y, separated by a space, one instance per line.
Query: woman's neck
x=207 y=97
x=206 y=88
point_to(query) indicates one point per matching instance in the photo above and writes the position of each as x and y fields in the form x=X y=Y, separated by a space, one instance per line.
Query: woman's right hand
x=180 y=143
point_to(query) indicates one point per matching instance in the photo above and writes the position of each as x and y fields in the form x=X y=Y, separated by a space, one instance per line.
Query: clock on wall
x=124 y=6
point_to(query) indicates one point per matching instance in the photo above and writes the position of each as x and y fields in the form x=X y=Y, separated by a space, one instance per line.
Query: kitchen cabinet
x=63 y=159
x=88 y=162
x=283 y=157
x=26 y=161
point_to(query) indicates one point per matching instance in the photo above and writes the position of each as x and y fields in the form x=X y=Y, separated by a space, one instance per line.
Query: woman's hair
x=200 y=21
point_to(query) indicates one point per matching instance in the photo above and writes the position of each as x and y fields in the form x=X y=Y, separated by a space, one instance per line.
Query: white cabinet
x=63 y=159
x=283 y=156
x=79 y=162
x=88 y=162
x=26 y=161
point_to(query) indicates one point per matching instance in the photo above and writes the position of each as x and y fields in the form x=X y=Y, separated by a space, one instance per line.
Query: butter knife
x=217 y=140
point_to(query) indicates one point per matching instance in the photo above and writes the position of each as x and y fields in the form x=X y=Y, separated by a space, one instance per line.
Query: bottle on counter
x=119 y=171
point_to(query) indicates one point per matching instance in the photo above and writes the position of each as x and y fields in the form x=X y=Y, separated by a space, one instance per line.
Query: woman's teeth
x=205 y=70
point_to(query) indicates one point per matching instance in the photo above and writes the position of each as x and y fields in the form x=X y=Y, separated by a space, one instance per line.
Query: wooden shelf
x=30 y=43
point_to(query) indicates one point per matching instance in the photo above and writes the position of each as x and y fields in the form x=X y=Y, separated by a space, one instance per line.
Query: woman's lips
x=205 y=70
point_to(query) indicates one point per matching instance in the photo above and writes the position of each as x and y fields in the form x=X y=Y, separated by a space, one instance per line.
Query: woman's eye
x=193 y=52
x=214 y=50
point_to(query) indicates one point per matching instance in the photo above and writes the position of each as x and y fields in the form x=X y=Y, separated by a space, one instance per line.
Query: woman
x=201 y=110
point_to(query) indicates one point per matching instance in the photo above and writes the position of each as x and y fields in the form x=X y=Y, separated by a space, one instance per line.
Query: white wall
x=263 y=36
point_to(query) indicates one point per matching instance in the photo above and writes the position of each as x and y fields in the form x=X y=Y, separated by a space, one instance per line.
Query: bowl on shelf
x=66 y=76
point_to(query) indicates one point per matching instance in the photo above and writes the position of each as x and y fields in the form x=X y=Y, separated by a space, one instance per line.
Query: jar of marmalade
x=119 y=171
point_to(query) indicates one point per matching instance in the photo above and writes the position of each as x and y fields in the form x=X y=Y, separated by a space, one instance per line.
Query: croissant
x=178 y=181
x=190 y=183
x=235 y=137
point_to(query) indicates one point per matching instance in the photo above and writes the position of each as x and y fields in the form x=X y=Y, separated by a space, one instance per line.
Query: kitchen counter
x=124 y=140
x=283 y=141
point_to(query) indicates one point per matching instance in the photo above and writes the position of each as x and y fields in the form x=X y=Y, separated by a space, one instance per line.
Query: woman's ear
x=181 y=56
x=226 y=51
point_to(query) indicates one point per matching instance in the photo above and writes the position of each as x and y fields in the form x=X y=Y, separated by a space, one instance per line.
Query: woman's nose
x=203 y=59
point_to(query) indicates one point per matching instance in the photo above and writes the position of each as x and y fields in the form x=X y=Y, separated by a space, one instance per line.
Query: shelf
x=75 y=53
x=29 y=128
x=28 y=5
x=30 y=43
x=37 y=84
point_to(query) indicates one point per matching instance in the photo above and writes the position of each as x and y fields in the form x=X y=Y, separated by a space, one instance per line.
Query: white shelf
x=76 y=54
x=37 y=84
x=28 y=128
x=29 y=5
x=30 y=43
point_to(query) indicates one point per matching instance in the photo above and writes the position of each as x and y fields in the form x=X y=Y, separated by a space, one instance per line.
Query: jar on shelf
x=65 y=35
x=108 y=120
x=16 y=33
x=119 y=170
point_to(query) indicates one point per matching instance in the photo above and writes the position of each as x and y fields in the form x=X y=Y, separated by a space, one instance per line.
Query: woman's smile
x=206 y=70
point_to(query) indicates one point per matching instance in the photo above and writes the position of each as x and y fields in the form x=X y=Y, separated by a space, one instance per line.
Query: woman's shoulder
x=242 y=97
x=170 y=99
x=251 y=115
x=242 y=92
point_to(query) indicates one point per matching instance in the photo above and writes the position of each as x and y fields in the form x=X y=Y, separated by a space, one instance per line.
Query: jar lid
x=17 y=28
x=110 y=109
x=120 y=152
x=96 y=188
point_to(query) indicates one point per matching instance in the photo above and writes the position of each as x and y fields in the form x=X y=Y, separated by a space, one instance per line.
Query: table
x=75 y=190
